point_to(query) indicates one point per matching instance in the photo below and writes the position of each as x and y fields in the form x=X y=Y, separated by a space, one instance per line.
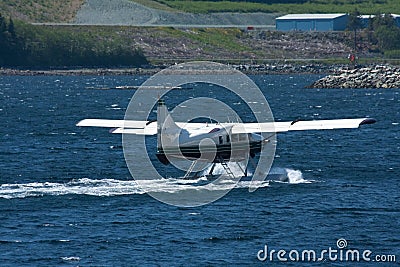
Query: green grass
x=221 y=38
x=155 y=5
x=312 y=6
x=394 y=54
x=210 y=38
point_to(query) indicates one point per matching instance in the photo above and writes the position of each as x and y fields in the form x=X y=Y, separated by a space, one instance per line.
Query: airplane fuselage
x=221 y=146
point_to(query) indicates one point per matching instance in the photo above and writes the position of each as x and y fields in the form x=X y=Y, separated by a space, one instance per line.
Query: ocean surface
x=67 y=197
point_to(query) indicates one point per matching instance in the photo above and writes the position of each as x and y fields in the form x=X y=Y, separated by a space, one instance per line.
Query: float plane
x=227 y=142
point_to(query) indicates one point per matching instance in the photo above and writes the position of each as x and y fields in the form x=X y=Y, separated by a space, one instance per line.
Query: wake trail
x=114 y=187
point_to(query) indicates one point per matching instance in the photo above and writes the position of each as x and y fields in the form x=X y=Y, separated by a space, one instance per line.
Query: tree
x=386 y=32
x=26 y=45
x=383 y=20
x=11 y=28
x=388 y=38
x=3 y=25
x=354 y=24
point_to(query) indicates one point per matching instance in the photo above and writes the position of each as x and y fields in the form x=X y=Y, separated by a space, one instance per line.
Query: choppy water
x=67 y=198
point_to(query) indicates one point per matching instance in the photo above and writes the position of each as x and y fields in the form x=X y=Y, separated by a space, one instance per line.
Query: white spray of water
x=287 y=175
x=295 y=176
x=113 y=187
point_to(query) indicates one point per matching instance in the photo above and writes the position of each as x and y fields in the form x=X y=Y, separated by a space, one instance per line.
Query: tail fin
x=166 y=125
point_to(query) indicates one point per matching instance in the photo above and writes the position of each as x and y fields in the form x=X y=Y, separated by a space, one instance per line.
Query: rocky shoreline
x=341 y=76
x=77 y=72
x=278 y=68
x=287 y=68
x=380 y=76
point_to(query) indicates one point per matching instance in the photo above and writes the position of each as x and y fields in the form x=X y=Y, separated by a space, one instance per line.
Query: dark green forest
x=386 y=32
x=26 y=45
x=381 y=33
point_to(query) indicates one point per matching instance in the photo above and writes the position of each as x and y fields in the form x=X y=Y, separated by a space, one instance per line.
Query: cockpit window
x=214 y=130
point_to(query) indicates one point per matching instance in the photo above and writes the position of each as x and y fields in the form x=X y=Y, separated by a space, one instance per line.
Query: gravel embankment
x=114 y=12
x=125 y=12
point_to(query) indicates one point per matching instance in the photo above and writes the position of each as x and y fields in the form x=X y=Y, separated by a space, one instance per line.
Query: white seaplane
x=230 y=142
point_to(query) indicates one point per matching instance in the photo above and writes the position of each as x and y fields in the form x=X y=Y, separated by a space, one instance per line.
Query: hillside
x=96 y=35
x=40 y=10
x=108 y=45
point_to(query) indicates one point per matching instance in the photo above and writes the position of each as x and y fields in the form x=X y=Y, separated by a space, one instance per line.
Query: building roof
x=366 y=16
x=373 y=16
x=311 y=16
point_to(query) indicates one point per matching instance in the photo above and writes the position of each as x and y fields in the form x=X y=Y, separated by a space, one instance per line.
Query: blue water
x=67 y=198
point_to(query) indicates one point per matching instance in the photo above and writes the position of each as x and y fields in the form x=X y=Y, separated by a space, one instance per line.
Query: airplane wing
x=150 y=127
x=135 y=127
x=279 y=127
x=112 y=123
x=122 y=126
